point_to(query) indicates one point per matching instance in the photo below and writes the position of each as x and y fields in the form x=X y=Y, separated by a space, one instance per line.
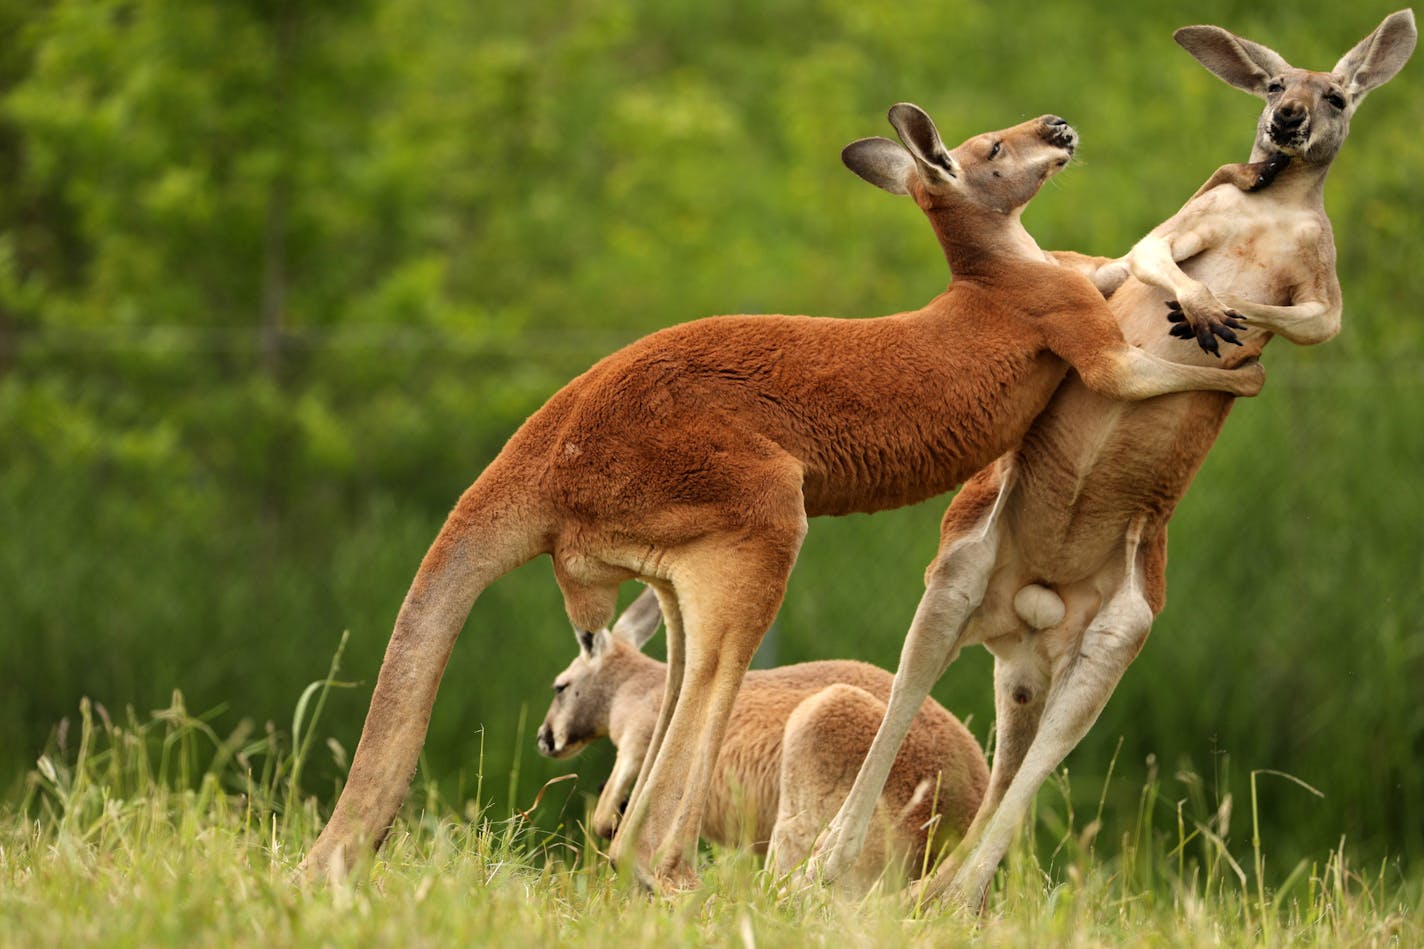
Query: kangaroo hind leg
x=1081 y=685
x=728 y=590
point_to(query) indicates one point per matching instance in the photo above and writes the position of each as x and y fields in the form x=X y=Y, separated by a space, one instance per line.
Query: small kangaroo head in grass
x=1307 y=114
x=584 y=693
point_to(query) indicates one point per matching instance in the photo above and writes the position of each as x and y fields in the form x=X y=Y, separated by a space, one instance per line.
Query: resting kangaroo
x=692 y=458
x=1054 y=557
x=795 y=740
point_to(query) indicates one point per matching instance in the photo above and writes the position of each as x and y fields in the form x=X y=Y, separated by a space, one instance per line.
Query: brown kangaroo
x=692 y=458
x=795 y=740
x=1054 y=557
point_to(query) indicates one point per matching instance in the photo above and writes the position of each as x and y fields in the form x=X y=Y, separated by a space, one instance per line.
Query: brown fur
x=1072 y=526
x=795 y=740
x=692 y=458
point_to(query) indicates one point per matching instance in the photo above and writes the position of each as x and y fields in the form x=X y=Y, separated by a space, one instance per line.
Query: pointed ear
x=920 y=136
x=640 y=620
x=590 y=642
x=1244 y=64
x=1376 y=58
x=881 y=162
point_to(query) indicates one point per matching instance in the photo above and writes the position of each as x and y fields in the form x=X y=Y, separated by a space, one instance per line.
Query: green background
x=278 y=280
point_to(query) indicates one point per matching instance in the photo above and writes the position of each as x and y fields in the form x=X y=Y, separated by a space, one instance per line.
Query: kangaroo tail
x=496 y=526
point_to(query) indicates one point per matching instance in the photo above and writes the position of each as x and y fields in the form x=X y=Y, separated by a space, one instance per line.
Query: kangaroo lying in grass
x=692 y=459
x=1054 y=557
x=795 y=741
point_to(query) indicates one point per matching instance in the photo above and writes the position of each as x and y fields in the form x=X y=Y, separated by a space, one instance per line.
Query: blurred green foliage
x=277 y=280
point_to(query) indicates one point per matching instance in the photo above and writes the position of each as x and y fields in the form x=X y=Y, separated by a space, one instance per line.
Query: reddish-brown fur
x=692 y=458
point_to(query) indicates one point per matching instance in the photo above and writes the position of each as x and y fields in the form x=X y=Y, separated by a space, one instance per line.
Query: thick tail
x=493 y=529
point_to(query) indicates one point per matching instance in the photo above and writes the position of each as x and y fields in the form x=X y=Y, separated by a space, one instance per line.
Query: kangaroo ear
x=1376 y=58
x=920 y=136
x=640 y=620
x=1242 y=63
x=881 y=162
x=589 y=641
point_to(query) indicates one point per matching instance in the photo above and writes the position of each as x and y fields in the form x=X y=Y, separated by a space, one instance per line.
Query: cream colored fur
x=1054 y=557
x=795 y=740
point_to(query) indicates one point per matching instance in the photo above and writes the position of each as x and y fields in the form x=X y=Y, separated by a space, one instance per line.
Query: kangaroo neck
x=1300 y=182
x=978 y=243
x=635 y=705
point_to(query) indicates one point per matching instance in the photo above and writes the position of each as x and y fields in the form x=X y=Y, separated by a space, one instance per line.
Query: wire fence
x=526 y=344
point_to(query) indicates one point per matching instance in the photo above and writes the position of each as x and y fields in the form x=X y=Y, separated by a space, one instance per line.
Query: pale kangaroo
x=795 y=741
x=1054 y=557
x=692 y=458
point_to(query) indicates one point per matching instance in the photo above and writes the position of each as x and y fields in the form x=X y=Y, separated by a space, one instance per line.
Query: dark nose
x=546 y=739
x=1289 y=115
x=1057 y=131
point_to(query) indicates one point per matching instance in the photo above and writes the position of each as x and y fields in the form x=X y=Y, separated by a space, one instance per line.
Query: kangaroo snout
x=1289 y=115
x=546 y=741
x=1288 y=126
x=1057 y=131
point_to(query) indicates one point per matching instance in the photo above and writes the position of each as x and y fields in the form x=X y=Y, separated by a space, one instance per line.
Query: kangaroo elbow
x=1325 y=329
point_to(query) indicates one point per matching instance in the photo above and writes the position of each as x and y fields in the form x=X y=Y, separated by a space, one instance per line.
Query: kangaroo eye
x=995 y=150
x=1274 y=86
x=559 y=687
x=1335 y=99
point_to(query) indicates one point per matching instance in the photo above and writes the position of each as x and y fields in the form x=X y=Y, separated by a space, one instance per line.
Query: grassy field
x=488 y=198
x=125 y=838
x=278 y=280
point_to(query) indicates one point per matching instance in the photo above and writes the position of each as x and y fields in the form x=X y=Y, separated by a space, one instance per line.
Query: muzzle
x=1057 y=131
x=1288 y=127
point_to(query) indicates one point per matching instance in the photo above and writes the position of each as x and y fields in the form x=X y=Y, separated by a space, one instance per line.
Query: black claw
x=1182 y=331
x=1229 y=336
x=1208 y=343
x=1235 y=322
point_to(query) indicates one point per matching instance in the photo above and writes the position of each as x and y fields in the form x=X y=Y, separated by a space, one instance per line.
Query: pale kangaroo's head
x=996 y=171
x=585 y=691
x=1307 y=114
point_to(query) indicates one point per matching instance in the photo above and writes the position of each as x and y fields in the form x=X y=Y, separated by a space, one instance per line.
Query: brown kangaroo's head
x=1307 y=114
x=585 y=691
x=997 y=171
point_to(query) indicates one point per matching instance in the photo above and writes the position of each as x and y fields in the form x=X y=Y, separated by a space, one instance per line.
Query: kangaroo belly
x=912 y=459
x=1091 y=465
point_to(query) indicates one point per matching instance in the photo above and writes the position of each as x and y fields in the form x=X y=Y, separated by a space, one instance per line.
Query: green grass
x=162 y=831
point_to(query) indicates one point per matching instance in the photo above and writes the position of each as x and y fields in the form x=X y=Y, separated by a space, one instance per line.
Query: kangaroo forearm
x=1304 y=324
x=1134 y=375
x=1106 y=273
x=610 y=801
x=1153 y=260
